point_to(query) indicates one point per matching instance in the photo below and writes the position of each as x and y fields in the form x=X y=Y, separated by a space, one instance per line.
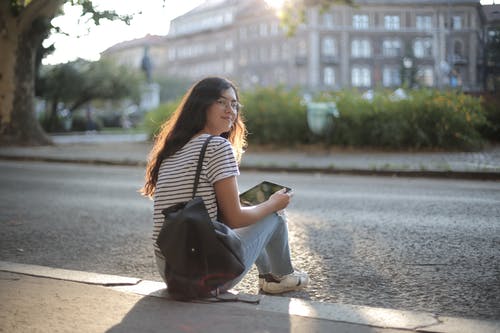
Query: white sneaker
x=273 y=284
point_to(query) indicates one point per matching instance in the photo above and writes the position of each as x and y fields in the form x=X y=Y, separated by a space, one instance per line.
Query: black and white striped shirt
x=177 y=172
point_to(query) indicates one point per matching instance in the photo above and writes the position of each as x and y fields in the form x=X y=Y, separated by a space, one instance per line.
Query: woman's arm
x=236 y=216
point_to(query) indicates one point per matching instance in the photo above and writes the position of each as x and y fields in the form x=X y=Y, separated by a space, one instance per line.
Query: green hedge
x=155 y=118
x=272 y=116
x=275 y=116
x=491 y=130
x=426 y=119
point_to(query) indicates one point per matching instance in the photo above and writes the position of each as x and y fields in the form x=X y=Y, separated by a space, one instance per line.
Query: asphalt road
x=417 y=244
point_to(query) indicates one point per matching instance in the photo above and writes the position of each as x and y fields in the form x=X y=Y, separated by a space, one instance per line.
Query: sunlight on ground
x=396 y=318
x=361 y=315
x=301 y=307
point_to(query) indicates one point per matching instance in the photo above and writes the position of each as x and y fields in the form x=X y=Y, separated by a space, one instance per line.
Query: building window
x=391 y=48
x=360 y=48
x=329 y=76
x=263 y=54
x=302 y=74
x=458 y=48
x=391 y=76
x=302 y=48
x=274 y=28
x=285 y=50
x=229 y=66
x=191 y=51
x=280 y=75
x=327 y=20
x=391 y=22
x=275 y=52
x=263 y=29
x=328 y=46
x=425 y=76
x=456 y=22
x=171 y=54
x=458 y=51
x=424 y=22
x=422 y=47
x=243 y=33
x=228 y=44
x=243 y=57
x=254 y=55
x=360 y=21
x=210 y=48
x=361 y=77
x=253 y=31
x=228 y=18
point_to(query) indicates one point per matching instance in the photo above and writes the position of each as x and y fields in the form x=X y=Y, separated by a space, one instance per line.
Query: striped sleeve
x=221 y=162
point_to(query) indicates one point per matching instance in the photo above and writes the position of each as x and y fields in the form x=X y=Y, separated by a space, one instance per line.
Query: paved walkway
x=44 y=299
x=133 y=150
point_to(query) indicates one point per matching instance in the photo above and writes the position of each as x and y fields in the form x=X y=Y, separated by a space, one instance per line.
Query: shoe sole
x=301 y=285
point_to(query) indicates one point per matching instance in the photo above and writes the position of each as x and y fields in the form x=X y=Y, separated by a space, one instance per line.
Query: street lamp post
x=407 y=65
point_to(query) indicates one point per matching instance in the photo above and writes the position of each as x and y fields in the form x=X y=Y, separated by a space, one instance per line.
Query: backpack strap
x=200 y=163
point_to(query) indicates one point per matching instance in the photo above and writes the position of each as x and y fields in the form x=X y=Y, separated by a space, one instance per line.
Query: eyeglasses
x=224 y=102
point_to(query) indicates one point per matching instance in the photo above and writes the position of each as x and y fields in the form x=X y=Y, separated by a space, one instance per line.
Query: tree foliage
x=24 y=24
x=77 y=83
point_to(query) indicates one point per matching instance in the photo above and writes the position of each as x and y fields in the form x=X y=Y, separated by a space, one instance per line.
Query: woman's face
x=222 y=114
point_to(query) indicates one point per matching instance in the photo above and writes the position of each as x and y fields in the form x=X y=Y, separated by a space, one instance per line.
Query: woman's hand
x=234 y=215
x=280 y=199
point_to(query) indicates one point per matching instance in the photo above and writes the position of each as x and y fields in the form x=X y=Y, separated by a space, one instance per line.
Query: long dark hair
x=189 y=119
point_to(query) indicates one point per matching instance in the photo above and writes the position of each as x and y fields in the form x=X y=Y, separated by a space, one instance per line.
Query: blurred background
x=354 y=73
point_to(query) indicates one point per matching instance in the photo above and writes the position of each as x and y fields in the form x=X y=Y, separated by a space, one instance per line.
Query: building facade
x=492 y=50
x=377 y=43
x=131 y=53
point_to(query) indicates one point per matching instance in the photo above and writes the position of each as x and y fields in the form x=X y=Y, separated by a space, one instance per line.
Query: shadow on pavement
x=160 y=314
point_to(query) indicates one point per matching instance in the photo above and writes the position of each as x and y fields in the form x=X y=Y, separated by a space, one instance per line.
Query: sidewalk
x=133 y=150
x=44 y=299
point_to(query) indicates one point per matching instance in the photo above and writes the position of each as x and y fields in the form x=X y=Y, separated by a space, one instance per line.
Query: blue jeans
x=264 y=243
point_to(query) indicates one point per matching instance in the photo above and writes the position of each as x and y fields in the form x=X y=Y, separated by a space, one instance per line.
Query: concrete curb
x=68 y=275
x=94 y=161
x=470 y=175
x=360 y=315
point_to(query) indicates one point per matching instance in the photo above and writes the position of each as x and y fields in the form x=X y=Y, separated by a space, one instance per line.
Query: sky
x=88 y=41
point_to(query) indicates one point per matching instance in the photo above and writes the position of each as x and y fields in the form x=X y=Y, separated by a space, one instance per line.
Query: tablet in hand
x=260 y=193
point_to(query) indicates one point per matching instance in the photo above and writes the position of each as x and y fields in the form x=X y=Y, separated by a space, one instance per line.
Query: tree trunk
x=8 y=45
x=52 y=119
x=20 y=36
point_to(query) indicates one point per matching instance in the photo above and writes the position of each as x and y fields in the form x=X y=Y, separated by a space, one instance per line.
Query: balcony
x=329 y=60
x=459 y=60
x=300 y=60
